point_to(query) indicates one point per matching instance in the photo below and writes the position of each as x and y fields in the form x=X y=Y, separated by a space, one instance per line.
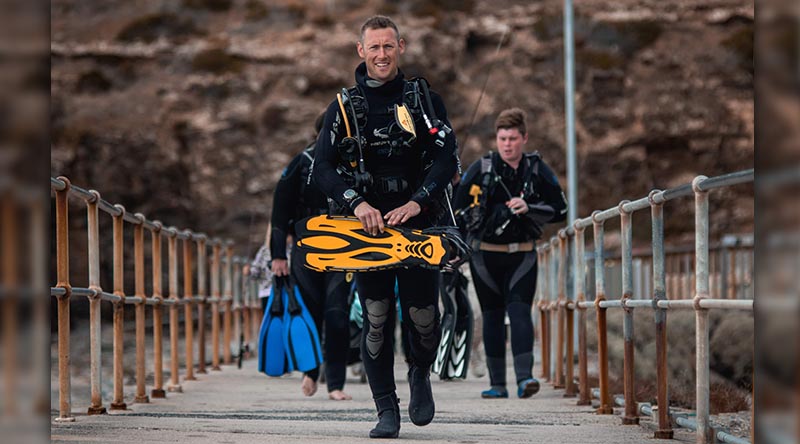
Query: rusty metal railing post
x=664 y=430
x=238 y=309
x=545 y=311
x=62 y=276
x=216 y=296
x=561 y=282
x=202 y=291
x=731 y=272
x=188 y=313
x=569 y=312
x=39 y=264
x=174 y=325
x=10 y=301
x=704 y=432
x=237 y=301
x=540 y=286
x=602 y=337
x=580 y=283
x=552 y=310
x=228 y=298
x=158 y=316
x=631 y=416
x=95 y=321
x=138 y=271
x=119 y=310
x=246 y=306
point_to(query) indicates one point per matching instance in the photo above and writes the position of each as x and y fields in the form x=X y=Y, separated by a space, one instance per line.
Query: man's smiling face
x=381 y=50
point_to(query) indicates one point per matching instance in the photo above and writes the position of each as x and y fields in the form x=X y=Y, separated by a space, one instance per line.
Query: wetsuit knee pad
x=424 y=321
x=376 y=314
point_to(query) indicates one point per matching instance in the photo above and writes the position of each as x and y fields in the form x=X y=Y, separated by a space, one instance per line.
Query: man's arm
x=551 y=193
x=283 y=202
x=326 y=159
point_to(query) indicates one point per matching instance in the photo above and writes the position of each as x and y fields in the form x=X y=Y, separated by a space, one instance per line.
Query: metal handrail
x=554 y=296
x=63 y=291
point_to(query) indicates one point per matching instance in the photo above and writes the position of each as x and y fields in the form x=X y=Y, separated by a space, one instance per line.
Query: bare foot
x=338 y=395
x=309 y=386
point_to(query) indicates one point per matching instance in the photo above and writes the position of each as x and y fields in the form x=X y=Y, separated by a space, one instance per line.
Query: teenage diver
x=504 y=200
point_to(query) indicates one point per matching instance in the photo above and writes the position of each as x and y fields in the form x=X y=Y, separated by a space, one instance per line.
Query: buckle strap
x=391 y=184
x=513 y=247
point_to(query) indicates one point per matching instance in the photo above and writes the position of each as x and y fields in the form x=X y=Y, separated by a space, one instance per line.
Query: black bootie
x=420 y=407
x=388 y=417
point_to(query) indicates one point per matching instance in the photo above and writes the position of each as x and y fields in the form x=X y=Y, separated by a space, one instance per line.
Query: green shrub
x=217 y=61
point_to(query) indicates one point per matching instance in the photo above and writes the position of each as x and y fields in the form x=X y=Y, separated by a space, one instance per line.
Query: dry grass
x=731 y=340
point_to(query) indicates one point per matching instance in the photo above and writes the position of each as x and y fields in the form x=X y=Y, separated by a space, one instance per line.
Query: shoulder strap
x=486 y=163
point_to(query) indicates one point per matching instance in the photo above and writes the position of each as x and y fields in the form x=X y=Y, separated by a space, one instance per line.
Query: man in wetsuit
x=389 y=174
x=325 y=294
x=504 y=200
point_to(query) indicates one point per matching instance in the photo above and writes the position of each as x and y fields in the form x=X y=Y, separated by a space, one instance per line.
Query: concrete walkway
x=242 y=406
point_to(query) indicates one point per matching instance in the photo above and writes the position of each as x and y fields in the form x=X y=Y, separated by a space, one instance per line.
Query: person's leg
x=419 y=292
x=337 y=334
x=493 y=315
x=312 y=289
x=521 y=288
x=376 y=293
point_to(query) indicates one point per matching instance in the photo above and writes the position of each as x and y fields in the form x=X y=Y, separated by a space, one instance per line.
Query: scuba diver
x=386 y=154
x=503 y=202
x=325 y=294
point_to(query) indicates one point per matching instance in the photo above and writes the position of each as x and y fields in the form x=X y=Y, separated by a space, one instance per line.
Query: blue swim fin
x=272 y=357
x=300 y=335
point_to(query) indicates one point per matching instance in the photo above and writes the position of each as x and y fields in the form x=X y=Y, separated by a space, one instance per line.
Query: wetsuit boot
x=421 y=407
x=388 y=417
x=497 y=376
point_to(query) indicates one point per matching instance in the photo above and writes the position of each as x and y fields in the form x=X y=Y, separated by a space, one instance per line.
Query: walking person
x=325 y=294
x=504 y=200
x=386 y=155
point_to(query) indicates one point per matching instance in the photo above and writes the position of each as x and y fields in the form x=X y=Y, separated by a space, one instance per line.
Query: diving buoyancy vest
x=415 y=113
x=478 y=219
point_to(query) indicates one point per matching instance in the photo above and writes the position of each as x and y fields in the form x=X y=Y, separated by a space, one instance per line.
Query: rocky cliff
x=188 y=111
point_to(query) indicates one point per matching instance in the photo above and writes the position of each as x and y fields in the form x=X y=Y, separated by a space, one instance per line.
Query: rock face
x=188 y=111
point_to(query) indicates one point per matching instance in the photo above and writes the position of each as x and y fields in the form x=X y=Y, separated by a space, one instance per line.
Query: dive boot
x=495 y=393
x=527 y=388
x=420 y=407
x=388 y=417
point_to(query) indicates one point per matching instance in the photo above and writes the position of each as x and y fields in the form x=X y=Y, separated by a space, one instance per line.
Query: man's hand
x=517 y=205
x=280 y=267
x=370 y=218
x=400 y=215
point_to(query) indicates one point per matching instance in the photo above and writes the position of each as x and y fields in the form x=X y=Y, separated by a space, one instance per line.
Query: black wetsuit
x=325 y=294
x=506 y=282
x=417 y=287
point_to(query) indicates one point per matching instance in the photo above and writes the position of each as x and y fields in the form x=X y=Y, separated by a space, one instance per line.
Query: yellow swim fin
x=340 y=243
